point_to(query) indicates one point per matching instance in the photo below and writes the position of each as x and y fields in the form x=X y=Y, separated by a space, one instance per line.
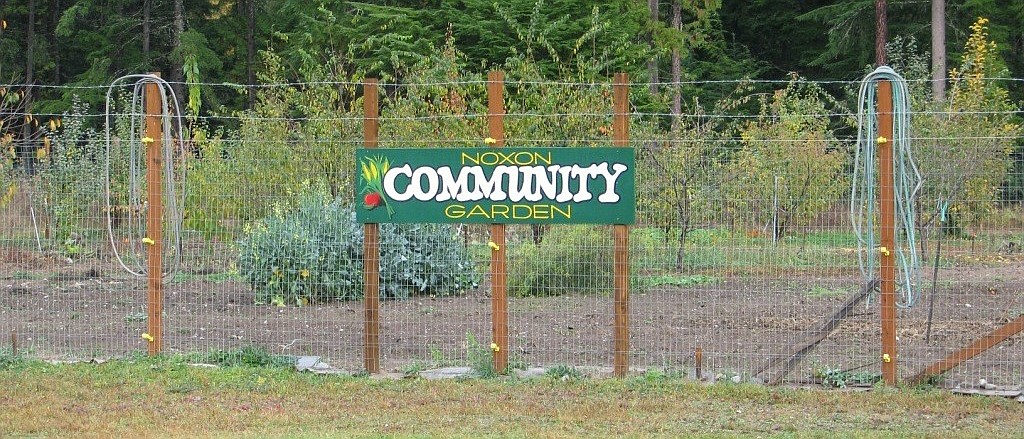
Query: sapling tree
x=679 y=182
x=790 y=166
x=963 y=147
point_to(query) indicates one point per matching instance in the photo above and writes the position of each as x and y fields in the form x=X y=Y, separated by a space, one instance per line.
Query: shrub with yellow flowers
x=962 y=145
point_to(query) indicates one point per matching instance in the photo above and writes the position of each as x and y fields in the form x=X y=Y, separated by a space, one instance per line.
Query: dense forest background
x=90 y=42
x=760 y=92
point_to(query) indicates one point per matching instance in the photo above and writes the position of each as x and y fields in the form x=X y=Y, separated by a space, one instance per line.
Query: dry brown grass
x=166 y=398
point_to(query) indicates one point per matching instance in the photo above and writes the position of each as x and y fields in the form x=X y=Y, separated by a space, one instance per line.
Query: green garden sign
x=496 y=185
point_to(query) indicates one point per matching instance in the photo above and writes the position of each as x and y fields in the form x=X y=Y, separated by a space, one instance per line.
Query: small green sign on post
x=496 y=185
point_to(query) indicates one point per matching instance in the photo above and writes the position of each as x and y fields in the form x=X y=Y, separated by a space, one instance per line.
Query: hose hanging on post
x=135 y=210
x=863 y=199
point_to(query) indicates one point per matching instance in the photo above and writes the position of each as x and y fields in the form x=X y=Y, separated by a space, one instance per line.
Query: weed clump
x=573 y=259
x=250 y=356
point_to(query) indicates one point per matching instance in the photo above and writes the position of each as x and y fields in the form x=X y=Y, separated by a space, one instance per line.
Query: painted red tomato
x=373 y=199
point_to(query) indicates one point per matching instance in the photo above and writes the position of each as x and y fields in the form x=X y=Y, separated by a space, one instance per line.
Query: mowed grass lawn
x=167 y=398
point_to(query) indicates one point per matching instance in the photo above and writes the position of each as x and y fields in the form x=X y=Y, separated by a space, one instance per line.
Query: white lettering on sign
x=523 y=183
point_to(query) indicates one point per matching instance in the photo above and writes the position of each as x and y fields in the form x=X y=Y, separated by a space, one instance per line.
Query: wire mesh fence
x=743 y=247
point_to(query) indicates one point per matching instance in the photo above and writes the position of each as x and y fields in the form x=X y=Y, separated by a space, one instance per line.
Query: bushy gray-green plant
x=313 y=253
x=424 y=259
x=564 y=372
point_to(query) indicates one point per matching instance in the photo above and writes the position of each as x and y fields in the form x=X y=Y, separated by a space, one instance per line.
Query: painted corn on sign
x=496 y=185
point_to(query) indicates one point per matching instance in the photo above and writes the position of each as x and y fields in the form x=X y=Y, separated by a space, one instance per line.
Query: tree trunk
x=26 y=149
x=177 y=62
x=30 y=48
x=939 y=50
x=250 y=51
x=684 y=228
x=683 y=217
x=881 y=31
x=788 y=216
x=54 y=20
x=147 y=9
x=538 y=233
x=652 y=64
x=922 y=227
x=677 y=97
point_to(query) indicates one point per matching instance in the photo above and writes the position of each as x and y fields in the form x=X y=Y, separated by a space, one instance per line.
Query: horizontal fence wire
x=576 y=84
x=742 y=249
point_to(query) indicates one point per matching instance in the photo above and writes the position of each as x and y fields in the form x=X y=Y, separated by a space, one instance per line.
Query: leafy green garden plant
x=312 y=253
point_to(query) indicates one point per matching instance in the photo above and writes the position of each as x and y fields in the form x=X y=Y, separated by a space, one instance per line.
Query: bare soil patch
x=74 y=310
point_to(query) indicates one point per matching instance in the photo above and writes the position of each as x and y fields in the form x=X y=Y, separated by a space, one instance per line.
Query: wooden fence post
x=371 y=244
x=620 y=131
x=887 y=297
x=154 y=217
x=499 y=281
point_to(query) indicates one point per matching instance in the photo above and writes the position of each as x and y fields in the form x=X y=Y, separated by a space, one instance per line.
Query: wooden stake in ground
x=499 y=270
x=371 y=244
x=154 y=217
x=824 y=329
x=620 y=133
x=981 y=345
x=698 y=363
